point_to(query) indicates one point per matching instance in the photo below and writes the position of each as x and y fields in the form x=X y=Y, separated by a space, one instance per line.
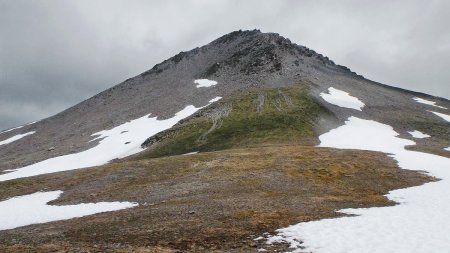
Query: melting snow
x=215 y=99
x=15 y=138
x=342 y=99
x=444 y=116
x=427 y=102
x=418 y=134
x=33 y=209
x=118 y=142
x=11 y=129
x=191 y=153
x=420 y=223
x=204 y=83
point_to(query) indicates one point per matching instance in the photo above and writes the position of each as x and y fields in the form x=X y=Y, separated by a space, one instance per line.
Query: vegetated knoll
x=255 y=116
x=209 y=201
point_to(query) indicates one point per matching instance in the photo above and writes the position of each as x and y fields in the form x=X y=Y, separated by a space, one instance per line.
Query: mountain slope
x=236 y=61
x=256 y=125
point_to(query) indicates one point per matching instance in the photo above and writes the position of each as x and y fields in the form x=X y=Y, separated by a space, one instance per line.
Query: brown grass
x=209 y=201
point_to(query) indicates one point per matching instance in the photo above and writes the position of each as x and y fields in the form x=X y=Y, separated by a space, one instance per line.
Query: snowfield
x=204 y=83
x=15 y=138
x=420 y=223
x=118 y=142
x=427 y=102
x=418 y=134
x=342 y=99
x=33 y=209
x=444 y=116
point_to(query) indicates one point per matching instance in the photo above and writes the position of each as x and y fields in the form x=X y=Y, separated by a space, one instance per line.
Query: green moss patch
x=253 y=117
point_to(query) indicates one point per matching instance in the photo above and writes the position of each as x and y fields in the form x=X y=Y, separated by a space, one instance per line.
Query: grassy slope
x=257 y=116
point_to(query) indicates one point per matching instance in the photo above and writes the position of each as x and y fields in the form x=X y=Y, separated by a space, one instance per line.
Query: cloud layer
x=54 y=54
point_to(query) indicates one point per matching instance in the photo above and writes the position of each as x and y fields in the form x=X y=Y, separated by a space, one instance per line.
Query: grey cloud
x=54 y=54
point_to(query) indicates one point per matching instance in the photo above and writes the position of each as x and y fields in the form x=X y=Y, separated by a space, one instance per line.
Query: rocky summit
x=234 y=146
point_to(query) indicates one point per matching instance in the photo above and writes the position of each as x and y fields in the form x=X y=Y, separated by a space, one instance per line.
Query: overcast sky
x=54 y=54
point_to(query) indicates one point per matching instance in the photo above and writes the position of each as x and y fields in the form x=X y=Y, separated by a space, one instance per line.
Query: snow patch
x=11 y=129
x=420 y=223
x=444 y=116
x=418 y=134
x=191 y=153
x=364 y=135
x=15 y=138
x=33 y=209
x=204 y=83
x=215 y=99
x=342 y=99
x=118 y=142
x=427 y=102
x=18 y=127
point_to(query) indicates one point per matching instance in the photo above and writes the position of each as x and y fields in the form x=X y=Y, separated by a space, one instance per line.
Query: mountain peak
x=250 y=51
x=239 y=34
x=259 y=38
x=255 y=35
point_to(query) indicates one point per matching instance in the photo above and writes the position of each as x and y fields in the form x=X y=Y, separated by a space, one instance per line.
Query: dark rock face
x=236 y=61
